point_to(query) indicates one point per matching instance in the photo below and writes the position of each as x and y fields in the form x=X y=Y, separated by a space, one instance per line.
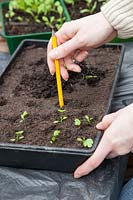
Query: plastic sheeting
x=102 y=184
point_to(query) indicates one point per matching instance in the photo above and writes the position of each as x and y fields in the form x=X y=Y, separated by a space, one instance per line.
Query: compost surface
x=28 y=86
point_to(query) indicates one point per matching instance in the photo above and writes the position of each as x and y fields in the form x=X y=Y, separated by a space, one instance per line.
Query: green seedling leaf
x=54 y=136
x=77 y=122
x=13 y=140
x=69 y=2
x=61 y=110
x=56 y=122
x=87 y=77
x=84 y=11
x=53 y=139
x=21 y=137
x=63 y=118
x=56 y=133
x=79 y=139
x=23 y=116
x=88 y=143
x=19 y=132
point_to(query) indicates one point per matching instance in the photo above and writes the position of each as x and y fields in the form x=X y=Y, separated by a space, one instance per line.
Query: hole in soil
x=3 y=101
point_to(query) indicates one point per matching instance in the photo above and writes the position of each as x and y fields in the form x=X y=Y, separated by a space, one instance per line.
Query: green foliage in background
x=49 y=12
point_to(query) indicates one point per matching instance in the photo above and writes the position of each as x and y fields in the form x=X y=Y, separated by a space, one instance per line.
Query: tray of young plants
x=32 y=19
x=35 y=132
x=77 y=9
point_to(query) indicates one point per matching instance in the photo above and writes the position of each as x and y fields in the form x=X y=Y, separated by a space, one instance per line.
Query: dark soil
x=74 y=10
x=28 y=86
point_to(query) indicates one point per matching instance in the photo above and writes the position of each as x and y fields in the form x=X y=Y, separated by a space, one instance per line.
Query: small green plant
x=54 y=136
x=77 y=122
x=60 y=119
x=88 y=77
x=88 y=119
x=18 y=136
x=23 y=116
x=85 y=142
x=61 y=110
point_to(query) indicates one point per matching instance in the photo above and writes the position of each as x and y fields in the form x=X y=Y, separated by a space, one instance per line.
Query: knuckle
x=80 y=40
x=63 y=50
x=66 y=25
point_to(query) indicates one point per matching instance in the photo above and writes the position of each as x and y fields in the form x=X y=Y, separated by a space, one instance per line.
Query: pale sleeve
x=119 y=14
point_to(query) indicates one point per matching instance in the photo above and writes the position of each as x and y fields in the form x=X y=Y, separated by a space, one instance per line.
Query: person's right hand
x=117 y=139
x=75 y=38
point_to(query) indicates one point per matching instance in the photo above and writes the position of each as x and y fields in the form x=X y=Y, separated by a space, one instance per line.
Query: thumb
x=106 y=121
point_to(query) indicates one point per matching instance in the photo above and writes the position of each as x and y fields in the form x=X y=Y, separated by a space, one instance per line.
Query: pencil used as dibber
x=58 y=77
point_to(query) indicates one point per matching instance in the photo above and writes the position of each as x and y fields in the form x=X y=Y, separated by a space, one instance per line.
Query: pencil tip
x=53 y=33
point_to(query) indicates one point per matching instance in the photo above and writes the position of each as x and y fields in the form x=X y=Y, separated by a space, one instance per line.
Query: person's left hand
x=117 y=139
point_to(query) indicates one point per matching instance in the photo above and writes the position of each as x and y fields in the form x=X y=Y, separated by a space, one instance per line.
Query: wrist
x=109 y=28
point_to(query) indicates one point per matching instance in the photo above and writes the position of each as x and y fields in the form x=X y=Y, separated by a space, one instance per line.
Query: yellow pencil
x=58 y=77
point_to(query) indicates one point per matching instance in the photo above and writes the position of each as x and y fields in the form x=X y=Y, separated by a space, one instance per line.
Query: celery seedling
x=54 y=136
x=88 y=119
x=18 y=136
x=86 y=142
x=61 y=119
x=77 y=122
x=23 y=116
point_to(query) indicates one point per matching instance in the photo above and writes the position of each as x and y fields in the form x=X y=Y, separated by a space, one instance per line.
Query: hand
x=117 y=139
x=75 y=38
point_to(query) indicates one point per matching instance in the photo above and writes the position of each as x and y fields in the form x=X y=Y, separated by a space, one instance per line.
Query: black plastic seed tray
x=50 y=158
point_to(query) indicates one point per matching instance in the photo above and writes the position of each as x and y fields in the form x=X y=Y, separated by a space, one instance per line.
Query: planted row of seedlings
x=86 y=142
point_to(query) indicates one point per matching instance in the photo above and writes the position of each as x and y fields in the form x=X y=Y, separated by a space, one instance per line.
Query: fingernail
x=99 y=125
x=75 y=69
x=52 y=73
x=77 y=175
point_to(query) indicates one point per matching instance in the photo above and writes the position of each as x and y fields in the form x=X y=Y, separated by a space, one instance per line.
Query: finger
x=80 y=56
x=50 y=62
x=70 y=65
x=106 y=121
x=66 y=48
x=73 y=67
x=112 y=155
x=95 y=160
x=63 y=70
